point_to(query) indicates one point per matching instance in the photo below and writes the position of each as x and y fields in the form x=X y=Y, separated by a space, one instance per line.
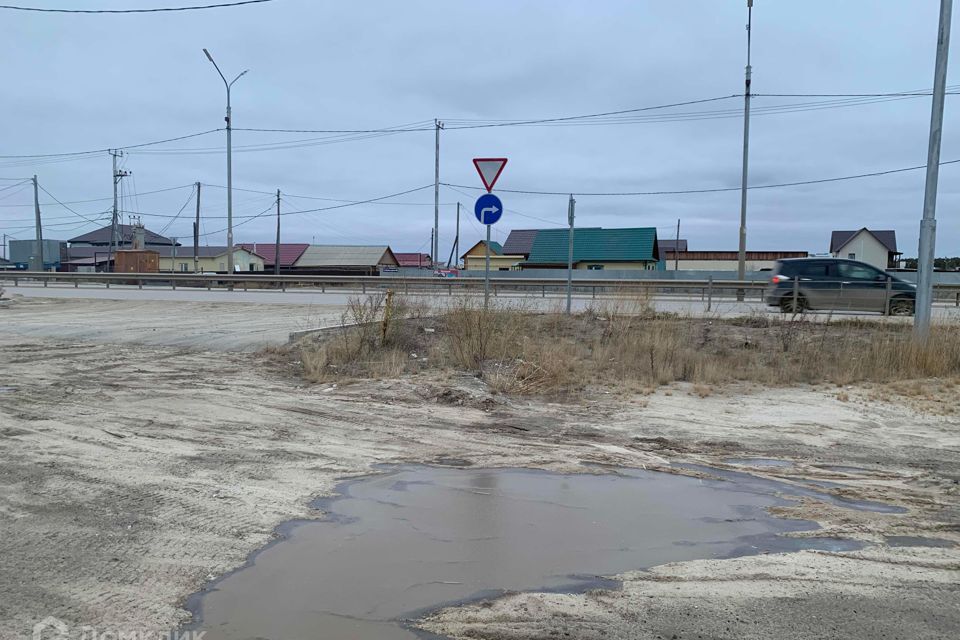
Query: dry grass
x=623 y=343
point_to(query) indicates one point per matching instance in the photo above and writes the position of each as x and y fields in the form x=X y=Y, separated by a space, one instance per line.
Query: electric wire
x=712 y=190
x=198 y=7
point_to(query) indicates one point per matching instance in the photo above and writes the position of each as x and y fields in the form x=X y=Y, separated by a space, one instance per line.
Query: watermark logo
x=51 y=628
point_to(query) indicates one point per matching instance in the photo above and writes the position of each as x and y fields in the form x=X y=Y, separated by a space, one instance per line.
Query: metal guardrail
x=706 y=289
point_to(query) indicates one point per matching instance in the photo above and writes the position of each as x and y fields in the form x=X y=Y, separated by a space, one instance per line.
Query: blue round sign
x=488 y=209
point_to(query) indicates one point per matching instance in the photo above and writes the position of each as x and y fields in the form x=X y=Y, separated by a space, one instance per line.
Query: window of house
x=223 y=267
x=595 y=267
x=184 y=267
x=851 y=256
x=252 y=267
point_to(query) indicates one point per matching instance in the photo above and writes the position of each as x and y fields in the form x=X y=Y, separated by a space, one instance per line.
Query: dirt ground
x=137 y=469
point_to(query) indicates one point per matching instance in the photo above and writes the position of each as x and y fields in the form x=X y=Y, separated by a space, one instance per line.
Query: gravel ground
x=141 y=464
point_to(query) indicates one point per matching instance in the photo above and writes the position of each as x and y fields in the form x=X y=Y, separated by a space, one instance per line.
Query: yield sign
x=489 y=170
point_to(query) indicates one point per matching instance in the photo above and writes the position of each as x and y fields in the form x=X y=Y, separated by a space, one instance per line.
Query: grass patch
x=622 y=344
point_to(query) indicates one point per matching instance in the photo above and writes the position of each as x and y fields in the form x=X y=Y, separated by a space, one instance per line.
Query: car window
x=856 y=271
x=813 y=270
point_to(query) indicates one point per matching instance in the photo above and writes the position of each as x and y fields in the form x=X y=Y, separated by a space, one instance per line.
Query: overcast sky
x=81 y=82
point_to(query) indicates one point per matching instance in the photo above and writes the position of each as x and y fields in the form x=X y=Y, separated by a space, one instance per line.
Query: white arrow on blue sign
x=488 y=209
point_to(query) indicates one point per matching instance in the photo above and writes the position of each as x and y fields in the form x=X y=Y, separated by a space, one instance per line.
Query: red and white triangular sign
x=489 y=170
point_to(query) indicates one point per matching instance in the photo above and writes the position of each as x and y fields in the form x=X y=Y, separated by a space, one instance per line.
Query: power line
x=221 y=5
x=174 y=218
x=356 y=202
x=105 y=149
x=716 y=190
x=63 y=205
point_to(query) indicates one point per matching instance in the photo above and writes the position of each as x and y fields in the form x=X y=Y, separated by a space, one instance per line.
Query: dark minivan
x=833 y=283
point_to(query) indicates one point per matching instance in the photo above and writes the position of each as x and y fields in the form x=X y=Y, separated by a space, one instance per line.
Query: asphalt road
x=686 y=305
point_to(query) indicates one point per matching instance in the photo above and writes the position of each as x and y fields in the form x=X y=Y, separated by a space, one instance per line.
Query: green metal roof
x=595 y=244
x=497 y=248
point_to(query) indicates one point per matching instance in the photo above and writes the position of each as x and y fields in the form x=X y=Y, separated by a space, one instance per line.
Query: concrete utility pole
x=196 y=235
x=435 y=245
x=276 y=248
x=115 y=220
x=38 y=250
x=570 y=216
x=742 y=257
x=928 y=224
x=229 y=122
x=456 y=241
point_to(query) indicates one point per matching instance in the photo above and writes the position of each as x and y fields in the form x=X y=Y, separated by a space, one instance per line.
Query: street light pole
x=928 y=224
x=742 y=255
x=228 y=85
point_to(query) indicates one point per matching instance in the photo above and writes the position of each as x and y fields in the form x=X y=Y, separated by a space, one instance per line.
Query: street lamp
x=229 y=162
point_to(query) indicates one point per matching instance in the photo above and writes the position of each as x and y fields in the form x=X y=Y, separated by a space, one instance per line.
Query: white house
x=878 y=248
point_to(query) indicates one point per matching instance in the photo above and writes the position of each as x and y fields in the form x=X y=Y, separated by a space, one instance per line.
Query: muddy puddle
x=397 y=545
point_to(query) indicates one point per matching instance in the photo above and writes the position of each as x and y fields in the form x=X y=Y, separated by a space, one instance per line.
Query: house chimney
x=139 y=236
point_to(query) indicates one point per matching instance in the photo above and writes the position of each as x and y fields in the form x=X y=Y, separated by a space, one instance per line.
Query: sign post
x=488 y=210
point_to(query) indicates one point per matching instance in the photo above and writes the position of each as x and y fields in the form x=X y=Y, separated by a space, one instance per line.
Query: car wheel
x=787 y=306
x=902 y=307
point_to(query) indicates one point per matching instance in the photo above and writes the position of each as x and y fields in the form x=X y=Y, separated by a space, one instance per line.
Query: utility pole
x=196 y=235
x=114 y=222
x=570 y=216
x=455 y=247
x=435 y=244
x=676 y=249
x=38 y=251
x=276 y=249
x=456 y=240
x=742 y=257
x=928 y=224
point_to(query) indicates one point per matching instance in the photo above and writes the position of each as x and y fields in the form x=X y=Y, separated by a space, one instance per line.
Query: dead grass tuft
x=624 y=343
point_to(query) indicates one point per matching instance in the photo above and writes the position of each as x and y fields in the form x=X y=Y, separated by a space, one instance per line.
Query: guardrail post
x=208 y=285
x=16 y=282
x=45 y=283
x=76 y=284
x=709 y=292
x=323 y=288
x=544 y=293
x=139 y=284
x=108 y=284
x=363 y=287
x=173 y=284
x=886 y=296
x=796 y=293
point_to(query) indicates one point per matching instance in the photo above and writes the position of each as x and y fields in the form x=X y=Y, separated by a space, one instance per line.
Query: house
x=672 y=245
x=595 y=249
x=414 y=260
x=875 y=247
x=520 y=242
x=475 y=258
x=209 y=260
x=290 y=252
x=125 y=236
x=358 y=260
x=724 y=260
